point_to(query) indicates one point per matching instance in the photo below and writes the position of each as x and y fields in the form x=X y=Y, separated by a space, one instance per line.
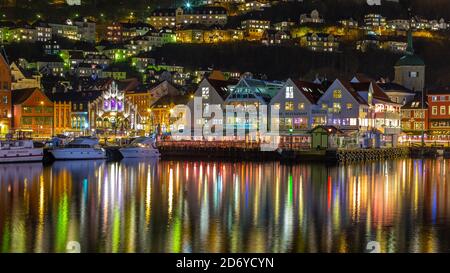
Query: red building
x=439 y=113
x=5 y=97
x=33 y=112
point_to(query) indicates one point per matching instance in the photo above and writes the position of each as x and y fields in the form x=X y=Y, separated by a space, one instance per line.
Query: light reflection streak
x=225 y=207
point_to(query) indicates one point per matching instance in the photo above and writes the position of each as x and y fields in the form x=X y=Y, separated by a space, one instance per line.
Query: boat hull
x=22 y=155
x=139 y=152
x=78 y=154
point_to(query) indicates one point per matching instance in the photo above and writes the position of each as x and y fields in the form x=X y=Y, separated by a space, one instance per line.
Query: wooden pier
x=242 y=151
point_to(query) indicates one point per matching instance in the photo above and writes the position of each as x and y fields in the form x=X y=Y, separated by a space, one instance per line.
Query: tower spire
x=410 y=48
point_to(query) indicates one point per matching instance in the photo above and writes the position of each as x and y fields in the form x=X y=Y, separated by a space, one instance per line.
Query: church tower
x=410 y=69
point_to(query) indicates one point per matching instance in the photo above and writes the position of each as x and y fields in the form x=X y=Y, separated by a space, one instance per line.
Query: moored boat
x=79 y=148
x=20 y=151
x=140 y=147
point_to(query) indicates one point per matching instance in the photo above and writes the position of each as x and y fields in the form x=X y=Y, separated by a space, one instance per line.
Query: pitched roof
x=378 y=93
x=394 y=87
x=221 y=87
x=352 y=91
x=169 y=100
x=19 y=96
x=74 y=96
x=416 y=103
x=312 y=91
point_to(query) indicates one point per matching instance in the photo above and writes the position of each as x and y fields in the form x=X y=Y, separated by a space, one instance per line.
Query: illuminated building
x=202 y=15
x=343 y=107
x=415 y=116
x=439 y=111
x=374 y=21
x=61 y=117
x=79 y=30
x=32 y=112
x=284 y=25
x=275 y=37
x=295 y=102
x=50 y=65
x=253 y=6
x=43 y=31
x=22 y=78
x=314 y=18
x=161 y=18
x=190 y=35
x=144 y=96
x=161 y=111
x=394 y=46
x=320 y=42
x=119 y=32
x=397 y=93
x=255 y=28
x=250 y=92
x=361 y=106
x=349 y=23
x=71 y=111
x=113 y=114
x=213 y=92
x=5 y=97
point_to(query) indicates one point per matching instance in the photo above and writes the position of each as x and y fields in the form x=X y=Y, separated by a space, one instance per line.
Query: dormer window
x=337 y=94
x=205 y=93
x=289 y=92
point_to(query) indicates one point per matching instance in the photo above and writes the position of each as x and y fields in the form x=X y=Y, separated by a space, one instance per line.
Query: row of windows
x=442 y=110
x=289 y=106
x=440 y=98
x=37 y=120
x=37 y=109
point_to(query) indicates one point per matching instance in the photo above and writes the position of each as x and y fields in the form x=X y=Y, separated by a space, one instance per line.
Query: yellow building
x=143 y=99
x=62 y=117
x=161 y=110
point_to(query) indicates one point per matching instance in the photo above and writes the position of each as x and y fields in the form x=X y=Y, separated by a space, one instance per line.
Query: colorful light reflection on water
x=177 y=206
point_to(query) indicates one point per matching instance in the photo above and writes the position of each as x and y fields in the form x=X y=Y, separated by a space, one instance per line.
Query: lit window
x=337 y=94
x=442 y=110
x=337 y=107
x=289 y=106
x=205 y=93
x=413 y=74
x=349 y=106
x=289 y=92
x=301 y=106
x=434 y=111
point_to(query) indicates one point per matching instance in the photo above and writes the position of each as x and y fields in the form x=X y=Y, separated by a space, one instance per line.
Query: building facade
x=415 y=118
x=320 y=42
x=5 y=97
x=113 y=114
x=33 y=112
x=439 y=113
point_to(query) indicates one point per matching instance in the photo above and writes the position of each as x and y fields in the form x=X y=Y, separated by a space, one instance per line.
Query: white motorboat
x=80 y=148
x=20 y=151
x=140 y=147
